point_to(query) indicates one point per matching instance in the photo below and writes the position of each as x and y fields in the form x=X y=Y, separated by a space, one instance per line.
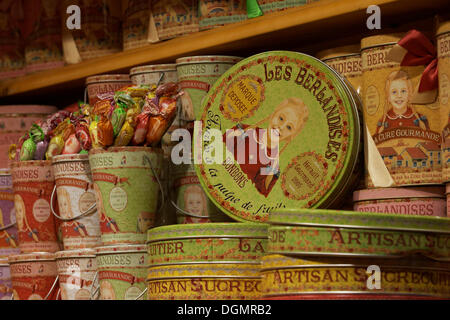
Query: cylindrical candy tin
x=420 y=201
x=357 y=234
x=14 y=123
x=122 y=271
x=154 y=74
x=175 y=18
x=346 y=61
x=77 y=271
x=211 y=281
x=135 y=25
x=33 y=183
x=214 y=14
x=443 y=55
x=100 y=33
x=80 y=223
x=43 y=47
x=196 y=75
x=284 y=275
x=6 y=291
x=192 y=205
x=34 y=276
x=255 y=136
x=403 y=139
x=126 y=187
x=9 y=242
x=206 y=242
x=102 y=84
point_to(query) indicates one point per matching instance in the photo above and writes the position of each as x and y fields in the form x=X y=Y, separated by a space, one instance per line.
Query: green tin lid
x=358 y=220
x=208 y=230
x=314 y=117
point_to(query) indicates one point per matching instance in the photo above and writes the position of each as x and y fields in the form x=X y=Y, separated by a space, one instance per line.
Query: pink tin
x=5 y=280
x=15 y=120
x=8 y=230
x=105 y=83
x=419 y=201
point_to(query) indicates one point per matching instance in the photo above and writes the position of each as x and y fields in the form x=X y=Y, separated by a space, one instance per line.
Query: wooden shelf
x=315 y=26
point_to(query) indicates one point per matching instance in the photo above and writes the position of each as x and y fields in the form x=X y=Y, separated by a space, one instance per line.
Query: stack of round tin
x=330 y=254
x=208 y=261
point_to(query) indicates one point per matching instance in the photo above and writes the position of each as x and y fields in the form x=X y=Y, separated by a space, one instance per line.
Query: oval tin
x=33 y=276
x=349 y=233
x=206 y=242
x=77 y=273
x=204 y=282
x=282 y=275
x=299 y=97
x=122 y=271
x=9 y=238
x=5 y=280
x=420 y=201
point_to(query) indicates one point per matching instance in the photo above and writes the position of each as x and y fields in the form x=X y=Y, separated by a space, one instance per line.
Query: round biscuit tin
x=219 y=281
x=154 y=74
x=9 y=240
x=421 y=201
x=122 y=271
x=255 y=136
x=77 y=273
x=206 y=242
x=357 y=234
x=285 y=275
x=34 y=276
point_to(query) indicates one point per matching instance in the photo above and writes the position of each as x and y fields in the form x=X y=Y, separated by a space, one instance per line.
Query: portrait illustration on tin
x=7 y=239
x=195 y=203
x=257 y=150
x=107 y=225
x=69 y=228
x=21 y=218
x=399 y=112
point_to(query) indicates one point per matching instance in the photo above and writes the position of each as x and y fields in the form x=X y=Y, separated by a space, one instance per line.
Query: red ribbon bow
x=420 y=51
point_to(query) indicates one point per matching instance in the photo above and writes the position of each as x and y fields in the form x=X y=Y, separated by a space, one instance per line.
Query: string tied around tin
x=415 y=49
x=89 y=210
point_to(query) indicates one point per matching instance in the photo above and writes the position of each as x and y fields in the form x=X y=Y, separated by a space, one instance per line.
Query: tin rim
x=208 y=230
x=207 y=59
x=69 y=158
x=75 y=253
x=125 y=149
x=31 y=257
x=5 y=172
x=4 y=262
x=358 y=220
x=388 y=293
x=247 y=262
x=18 y=164
x=399 y=193
x=349 y=163
x=204 y=277
x=101 y=78
x=153 y=68
x=123 y=248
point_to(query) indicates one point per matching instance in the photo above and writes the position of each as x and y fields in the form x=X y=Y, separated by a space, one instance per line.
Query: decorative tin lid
x=343 y=51
x=41 y=163
x=3 y=261
x=209 y=270
x=358 y=220
x=443 y=27
x=208 y=59
x=298 y=97
x=380 y=40
x=208 y=230
x=399 y=193
x=124 y=248
x=108 y=78
x=34 y=256
x=27 y=109
x=5 y=172
x=70 y=157
x=153 y=68
x=84 y=253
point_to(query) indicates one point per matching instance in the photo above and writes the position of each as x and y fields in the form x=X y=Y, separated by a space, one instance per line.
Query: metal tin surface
x=443 y=67
x=105 y=83
x=196 y=75
x=422 y=201
x=76 y=198
x=295 y=96
x=5 y=280
x=213 y=14
x=288 y=275
x=9 y=239
x=77 y=273
x=154 y=74
x=204 y=282
x=126 y=191
x=33 y=183
x=135 y=23
x=202 y=243
x=122 y=271
x=34 y=276
x=403 y=140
